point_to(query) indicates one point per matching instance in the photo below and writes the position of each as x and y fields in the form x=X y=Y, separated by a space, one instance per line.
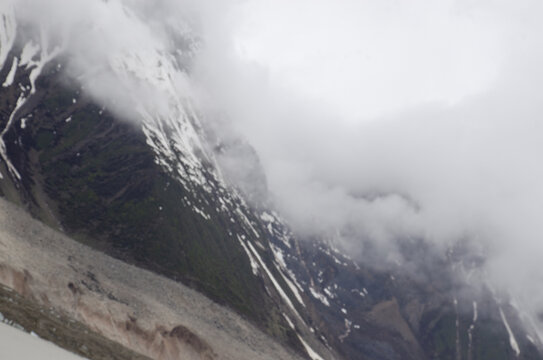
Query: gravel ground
x=145 y=312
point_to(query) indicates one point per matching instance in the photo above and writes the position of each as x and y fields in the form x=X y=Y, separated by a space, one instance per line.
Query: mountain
x=147 y=187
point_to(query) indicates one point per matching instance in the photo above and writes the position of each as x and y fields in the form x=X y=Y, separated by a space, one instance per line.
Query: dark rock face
x=95 y=176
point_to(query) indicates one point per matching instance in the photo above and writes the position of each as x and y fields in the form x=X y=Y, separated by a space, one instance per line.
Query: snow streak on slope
x=512 y=339
x=34 y=57
x=11 y=74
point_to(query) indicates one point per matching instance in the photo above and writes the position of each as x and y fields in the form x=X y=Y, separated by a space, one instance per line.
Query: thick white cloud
x=438 y=134
x=367 y=58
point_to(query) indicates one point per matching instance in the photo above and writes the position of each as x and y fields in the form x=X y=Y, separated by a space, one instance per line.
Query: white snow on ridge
x=292 y=287
x=290 y=323
x=11 y=75
x=3 y=151
x=329 y=293
x=512 y=340
x=274 y=281
x=30 y=50
x=8 y=26
x=312 y=353
x=44 y=58
x=254 y=264
x=247 y=222
x=267 y=217
x=278 y=255
x=317 y=295
x=8 y=30
x=201 y=213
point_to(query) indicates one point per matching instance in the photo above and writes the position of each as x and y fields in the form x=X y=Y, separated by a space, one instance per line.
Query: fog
x=374 y=121
x=430 y=127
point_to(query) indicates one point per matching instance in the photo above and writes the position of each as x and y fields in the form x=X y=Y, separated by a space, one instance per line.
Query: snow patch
x=11 y=74
x=347 y=332
x=292 y=287
x=201 y=213
x=317 y=295
x=329 y=293
x=254 y=264
x=290 y=323
x=30 y=50
x=267 y=217
x=246 y=221
x=274 y=282
x=312 y=353
x=3 y=151
x=512 y=340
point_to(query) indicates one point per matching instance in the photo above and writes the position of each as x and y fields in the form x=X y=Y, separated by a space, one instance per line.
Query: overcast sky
x=369 y=58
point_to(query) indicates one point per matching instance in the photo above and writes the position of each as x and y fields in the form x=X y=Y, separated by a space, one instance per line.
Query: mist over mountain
x=380 y=129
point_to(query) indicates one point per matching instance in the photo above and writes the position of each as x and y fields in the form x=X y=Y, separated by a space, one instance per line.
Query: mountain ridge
x=150 y=191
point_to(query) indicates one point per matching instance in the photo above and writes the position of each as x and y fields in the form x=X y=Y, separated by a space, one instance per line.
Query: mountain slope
x=145 y=186
x=79 y=298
